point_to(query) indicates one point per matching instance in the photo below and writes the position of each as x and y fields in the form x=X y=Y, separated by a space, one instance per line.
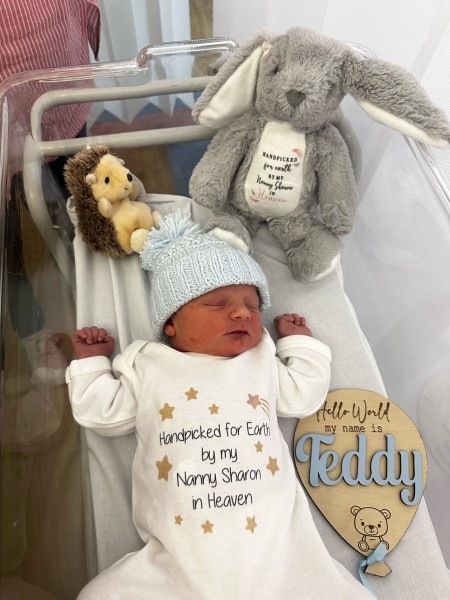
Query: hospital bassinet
x=66 y=493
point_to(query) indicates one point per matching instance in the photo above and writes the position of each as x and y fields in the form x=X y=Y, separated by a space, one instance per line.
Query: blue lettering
x=319 y=464
x=417 y=491
x=382 y=465
x=360 y=456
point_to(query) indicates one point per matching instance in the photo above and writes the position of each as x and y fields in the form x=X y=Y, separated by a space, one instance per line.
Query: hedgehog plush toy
x=111 y=219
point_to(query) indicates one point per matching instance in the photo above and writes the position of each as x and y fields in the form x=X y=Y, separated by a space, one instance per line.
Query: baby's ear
x=169 y=328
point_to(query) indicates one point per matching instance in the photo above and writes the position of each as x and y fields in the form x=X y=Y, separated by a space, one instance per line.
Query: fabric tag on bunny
x=275 y=178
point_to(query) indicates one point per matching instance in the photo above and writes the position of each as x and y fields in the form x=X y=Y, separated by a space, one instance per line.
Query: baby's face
x=223 y=322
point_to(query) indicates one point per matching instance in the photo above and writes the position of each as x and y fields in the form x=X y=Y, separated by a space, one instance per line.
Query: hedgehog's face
x=110 y=179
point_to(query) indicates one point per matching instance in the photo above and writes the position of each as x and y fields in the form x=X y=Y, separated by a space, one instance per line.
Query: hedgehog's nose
x=294 y=97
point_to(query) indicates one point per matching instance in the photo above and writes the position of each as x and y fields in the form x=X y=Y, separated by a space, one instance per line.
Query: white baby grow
x=113 y=293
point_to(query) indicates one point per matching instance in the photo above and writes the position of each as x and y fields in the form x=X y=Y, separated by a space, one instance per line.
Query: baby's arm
x=303 y=368
x=102 y=398
x=92 y=341
x=291 y=324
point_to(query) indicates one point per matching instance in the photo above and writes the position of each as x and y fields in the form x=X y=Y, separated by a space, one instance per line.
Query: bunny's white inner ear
x=386 y=118
x=237 y=94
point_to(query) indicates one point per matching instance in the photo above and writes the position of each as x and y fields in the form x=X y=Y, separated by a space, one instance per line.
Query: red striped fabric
x=41 y=34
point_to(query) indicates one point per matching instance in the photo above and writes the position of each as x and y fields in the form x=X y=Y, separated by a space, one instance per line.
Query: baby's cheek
x=258 y=331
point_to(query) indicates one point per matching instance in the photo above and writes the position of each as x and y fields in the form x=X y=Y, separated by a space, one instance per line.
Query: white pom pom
x=171 y=228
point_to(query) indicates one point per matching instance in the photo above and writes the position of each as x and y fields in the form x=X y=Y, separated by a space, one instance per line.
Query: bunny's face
x=300 y=81
x=301 y=77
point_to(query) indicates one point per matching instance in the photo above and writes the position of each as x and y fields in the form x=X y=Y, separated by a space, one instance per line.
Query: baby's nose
x=240 y=311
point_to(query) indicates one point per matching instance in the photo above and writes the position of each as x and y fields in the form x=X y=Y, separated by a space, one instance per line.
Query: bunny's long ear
x=232 y=91
x=393 y=97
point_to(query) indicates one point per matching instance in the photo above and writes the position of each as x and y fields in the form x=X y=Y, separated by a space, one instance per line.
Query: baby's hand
x=291 y=324
x=92 y=341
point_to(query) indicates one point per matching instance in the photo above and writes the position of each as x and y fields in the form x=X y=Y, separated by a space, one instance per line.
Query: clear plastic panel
x=46 y=547
x=396 y=265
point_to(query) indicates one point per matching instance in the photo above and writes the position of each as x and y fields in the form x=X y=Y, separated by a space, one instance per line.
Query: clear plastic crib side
x=48 y=548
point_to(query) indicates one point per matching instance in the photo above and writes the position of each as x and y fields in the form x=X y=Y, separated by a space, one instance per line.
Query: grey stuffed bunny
x=277 y=158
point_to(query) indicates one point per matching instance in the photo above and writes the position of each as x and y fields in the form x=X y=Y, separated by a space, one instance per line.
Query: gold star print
x=207 y=527
x=164 y=467
x=178 y=520
x=167 y=411
x=251 y=524
x=191 y=394
x=253 y=400
x=259 y=447
x=272 y=465
x=214 y=409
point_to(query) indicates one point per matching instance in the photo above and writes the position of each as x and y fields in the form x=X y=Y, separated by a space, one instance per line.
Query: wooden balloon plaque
x=363 y=463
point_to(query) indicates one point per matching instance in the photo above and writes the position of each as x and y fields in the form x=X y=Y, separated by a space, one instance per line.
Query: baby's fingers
x=89 y=335
x=298 y=320
x=80 y=335
x=101 y=335
x=287 y=318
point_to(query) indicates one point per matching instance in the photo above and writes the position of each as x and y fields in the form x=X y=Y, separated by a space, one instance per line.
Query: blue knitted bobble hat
x=186 y=262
